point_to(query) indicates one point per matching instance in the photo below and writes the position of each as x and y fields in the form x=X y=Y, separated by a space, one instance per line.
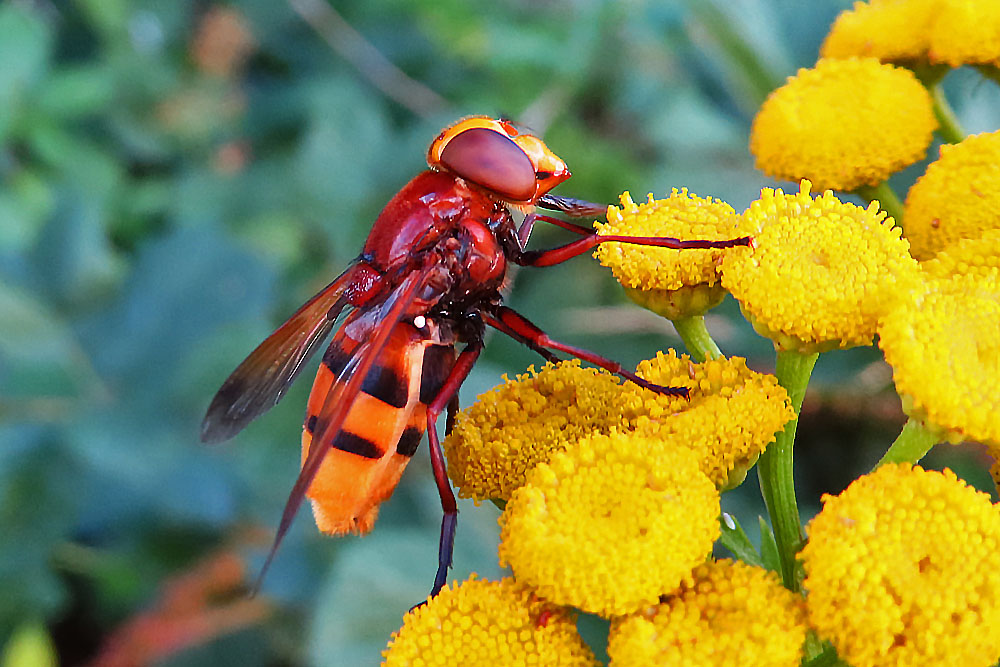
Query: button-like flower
x=611 y=524
x=890 y=30
x=823 y=273
x=486 y=624
x=843 y=124
x=953 y=32
x=513 y=427
x=903 y=568
x=673 y=283
x=732 y=415
x=730 y=614
x=958 y=197
x=945 y=355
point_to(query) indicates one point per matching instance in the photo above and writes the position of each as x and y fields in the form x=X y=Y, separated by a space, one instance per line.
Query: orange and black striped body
x=384 y=425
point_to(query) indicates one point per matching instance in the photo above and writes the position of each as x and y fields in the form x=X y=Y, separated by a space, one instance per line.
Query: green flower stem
x=774 y=469
x=886 y=196
x=913 y=442
x=949 y=129
x=696 y=338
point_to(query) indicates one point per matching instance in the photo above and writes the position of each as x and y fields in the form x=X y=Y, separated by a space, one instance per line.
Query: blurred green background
x=176 y=177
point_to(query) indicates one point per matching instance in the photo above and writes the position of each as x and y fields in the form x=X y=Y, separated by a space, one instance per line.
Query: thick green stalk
x=697 y=340
x=774 y=469
x=887 y=199
x=913 y=442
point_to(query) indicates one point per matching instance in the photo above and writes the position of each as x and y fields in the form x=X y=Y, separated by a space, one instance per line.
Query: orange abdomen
x=383 y=427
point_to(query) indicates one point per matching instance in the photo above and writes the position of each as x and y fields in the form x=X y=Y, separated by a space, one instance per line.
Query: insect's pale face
x=493 y=154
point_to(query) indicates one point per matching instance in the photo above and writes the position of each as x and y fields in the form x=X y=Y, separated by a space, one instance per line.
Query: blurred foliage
x=176 y=177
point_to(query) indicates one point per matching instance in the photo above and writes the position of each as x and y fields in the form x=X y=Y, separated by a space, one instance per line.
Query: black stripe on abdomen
x=409 y=440
x=437 y=363
x=386 y=385
x=355 y=444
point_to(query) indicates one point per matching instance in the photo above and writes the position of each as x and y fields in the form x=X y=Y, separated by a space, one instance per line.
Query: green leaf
x=76 y=91
x=768 y=547
x=736 y=540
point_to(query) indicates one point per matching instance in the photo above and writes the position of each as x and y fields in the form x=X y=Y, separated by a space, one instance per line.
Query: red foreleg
x=449 y=390
x=561 y=253
x=519 y=328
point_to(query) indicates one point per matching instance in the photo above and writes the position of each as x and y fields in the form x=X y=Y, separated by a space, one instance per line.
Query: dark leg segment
x=519 y=328
x=524 y=231
x=449 y=392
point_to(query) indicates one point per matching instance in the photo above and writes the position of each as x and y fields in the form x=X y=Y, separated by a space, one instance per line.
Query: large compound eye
x=491 y=160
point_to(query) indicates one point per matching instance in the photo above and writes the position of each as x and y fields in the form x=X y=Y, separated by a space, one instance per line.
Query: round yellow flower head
x=485 y=624
x=730 y=614
x=903 y=568
x=967 y=257
x=966 y=32
x=945 y=356
x=890 y=30
x=843 y=124
x=823 y=272
x=958 y=197
x=513 y=427
x=611 y=524
x=672 y=283
x=732 y=415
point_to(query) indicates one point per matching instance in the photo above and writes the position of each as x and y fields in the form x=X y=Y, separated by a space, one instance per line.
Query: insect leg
x=561 y=253
x=524 y=231
x=574 y=208
x=449 y=390
x=519 y=328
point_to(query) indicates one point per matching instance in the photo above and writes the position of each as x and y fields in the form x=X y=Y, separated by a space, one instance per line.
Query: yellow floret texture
x=953 y=32
x=823 y=272
x=732 y=414
x=945 y=355
x=681 y=216
x=967 y=257
x=890 y=30
x=483 y=623
x=511 y=428
x=611 y=524
x=730 y=613
x=821 y=125
x=903 y=568
x=958 y=197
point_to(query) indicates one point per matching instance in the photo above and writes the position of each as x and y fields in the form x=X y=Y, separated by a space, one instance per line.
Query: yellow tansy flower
x=611 y=524
x=958 y=197
x=890 y=30
x=673 y=283
x=966 y=32
x=487 y=624
x=843 y=124
x=903 y=568
x=954 y=32
x=823 y=273
x=511 y=428
x=967 y=257
x=730 y=614
x=945 y=356
x=732 y=415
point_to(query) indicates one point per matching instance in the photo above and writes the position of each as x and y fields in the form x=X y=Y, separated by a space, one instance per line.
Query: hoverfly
x=428 y=278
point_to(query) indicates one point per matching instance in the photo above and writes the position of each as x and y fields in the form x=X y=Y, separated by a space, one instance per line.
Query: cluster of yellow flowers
x=611 y=492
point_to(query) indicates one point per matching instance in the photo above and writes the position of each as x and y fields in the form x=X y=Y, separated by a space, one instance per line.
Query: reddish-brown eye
x=491 y=160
